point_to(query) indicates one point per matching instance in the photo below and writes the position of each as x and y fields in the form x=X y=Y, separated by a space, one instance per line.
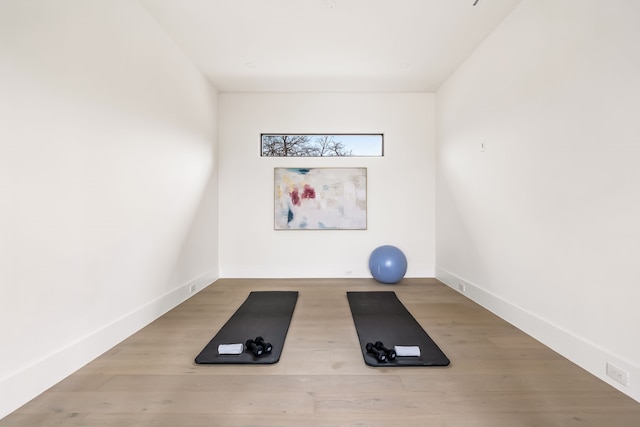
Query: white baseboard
x=30 y=381
x=314 y=271
x=583 y=353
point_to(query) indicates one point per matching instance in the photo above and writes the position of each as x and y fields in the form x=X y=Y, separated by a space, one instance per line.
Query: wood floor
x=498 y=375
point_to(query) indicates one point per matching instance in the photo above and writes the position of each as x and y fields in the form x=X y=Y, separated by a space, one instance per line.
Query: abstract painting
x=320 y=198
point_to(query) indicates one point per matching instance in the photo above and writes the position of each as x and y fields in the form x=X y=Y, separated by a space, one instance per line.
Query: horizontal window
x=321 y=145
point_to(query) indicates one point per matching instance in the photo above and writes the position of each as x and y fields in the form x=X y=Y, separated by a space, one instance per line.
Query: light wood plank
x=498 y=377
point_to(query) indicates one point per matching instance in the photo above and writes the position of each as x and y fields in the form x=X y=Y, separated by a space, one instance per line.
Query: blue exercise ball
x=387 y=264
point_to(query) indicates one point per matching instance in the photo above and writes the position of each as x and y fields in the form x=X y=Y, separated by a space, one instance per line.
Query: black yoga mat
x=380 y=316
x=266 y=314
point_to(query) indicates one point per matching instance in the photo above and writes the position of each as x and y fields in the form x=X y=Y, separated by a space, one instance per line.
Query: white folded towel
x=230 y=348
x=407 y=350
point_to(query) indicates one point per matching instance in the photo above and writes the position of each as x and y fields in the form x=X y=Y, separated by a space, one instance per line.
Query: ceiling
x=328 y=45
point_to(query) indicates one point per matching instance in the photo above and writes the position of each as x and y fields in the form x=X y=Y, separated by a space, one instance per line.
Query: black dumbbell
x=254 y=348
x=266 y=346
x=391 y=353
x=380 y=356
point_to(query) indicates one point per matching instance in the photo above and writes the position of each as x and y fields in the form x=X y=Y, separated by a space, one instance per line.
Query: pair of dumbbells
x=381 y=353
x=258 y=346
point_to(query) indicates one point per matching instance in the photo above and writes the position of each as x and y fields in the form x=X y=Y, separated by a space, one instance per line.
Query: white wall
x=108 y=207
x=400 y=195
x=543 y=225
